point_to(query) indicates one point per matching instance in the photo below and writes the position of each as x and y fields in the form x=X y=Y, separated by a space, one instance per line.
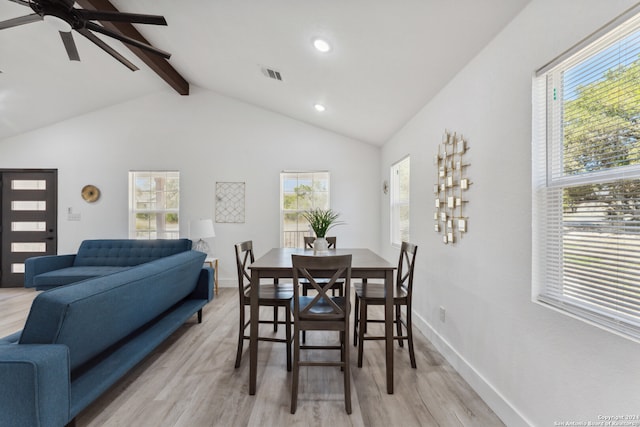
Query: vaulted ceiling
x=387 y=59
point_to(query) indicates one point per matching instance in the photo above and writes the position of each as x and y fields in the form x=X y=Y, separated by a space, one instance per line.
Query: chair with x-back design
x=276 y=295
x=321 y=312
x=308 y=242
x=369 y=293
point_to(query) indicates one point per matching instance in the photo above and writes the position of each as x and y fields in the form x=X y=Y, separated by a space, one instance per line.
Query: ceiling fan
x=65 y=18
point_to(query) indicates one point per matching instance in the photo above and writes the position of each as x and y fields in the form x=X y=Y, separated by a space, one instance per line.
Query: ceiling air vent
x=272 y=74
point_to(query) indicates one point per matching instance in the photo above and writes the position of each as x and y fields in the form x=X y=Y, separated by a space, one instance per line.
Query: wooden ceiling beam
x=158 y=64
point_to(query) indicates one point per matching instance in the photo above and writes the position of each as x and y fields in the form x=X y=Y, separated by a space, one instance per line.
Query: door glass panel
x=28 y=184
x=28 y=247
x=28 y=226
x=17 y=268
x=28 y=205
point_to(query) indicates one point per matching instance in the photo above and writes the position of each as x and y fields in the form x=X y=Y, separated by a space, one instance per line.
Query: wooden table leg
x=253 y=335
x=213 y=263
x=388 y=328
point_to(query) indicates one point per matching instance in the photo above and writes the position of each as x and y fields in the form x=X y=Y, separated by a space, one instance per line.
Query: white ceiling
x=388 y=59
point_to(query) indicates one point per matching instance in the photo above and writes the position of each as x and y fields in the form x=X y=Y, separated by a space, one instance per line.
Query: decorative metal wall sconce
x=451 y=184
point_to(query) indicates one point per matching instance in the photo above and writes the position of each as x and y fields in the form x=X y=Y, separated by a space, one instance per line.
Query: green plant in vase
x=321 y=221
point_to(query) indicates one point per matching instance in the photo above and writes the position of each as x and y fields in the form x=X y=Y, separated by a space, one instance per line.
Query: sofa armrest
x=204 y=287
x=34 y=390
x=42 y=264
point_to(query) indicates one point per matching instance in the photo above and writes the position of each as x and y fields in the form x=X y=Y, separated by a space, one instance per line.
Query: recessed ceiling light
x=321 y=45
x=319 y=107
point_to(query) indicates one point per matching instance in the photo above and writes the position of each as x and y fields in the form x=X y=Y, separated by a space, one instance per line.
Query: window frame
x=552 y=231
x=315 y=204
x=134 y=210
x=398 y=233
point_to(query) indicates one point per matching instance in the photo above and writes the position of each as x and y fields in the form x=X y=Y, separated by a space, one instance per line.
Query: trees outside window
x=300 y=192
x=587 y=182
x=154 y=204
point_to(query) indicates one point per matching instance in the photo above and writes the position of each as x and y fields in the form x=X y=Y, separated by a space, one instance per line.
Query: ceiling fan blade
x=128 y=40
x=134 y=18
x=22 y=2
x=70 y=45
x=20 y=21
x=102 y=45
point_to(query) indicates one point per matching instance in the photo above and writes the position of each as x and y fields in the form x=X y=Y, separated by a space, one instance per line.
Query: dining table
x=276 y=264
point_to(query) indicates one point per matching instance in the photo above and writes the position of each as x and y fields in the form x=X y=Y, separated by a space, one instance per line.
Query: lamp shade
x=201 y=229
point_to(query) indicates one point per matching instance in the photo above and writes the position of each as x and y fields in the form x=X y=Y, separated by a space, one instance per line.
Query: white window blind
x=400 y=198
x=586 y=178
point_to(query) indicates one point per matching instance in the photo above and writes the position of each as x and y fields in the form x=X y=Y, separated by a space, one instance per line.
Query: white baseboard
x=492 y=397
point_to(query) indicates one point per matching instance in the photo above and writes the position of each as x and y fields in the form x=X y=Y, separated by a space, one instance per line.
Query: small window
x=400 y=191
x=154 y=204
x=586 y=180
x=299 y=192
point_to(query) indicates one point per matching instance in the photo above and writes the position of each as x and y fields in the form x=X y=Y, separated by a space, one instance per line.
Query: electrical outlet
x=443 y=314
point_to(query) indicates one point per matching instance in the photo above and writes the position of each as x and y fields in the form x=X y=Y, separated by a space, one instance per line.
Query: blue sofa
x=80 y=339
x=97 y=258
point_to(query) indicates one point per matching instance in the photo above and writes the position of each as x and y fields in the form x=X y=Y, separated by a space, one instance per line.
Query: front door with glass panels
x=28 y=224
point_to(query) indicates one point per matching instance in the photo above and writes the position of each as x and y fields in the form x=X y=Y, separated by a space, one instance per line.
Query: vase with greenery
x=321 y=221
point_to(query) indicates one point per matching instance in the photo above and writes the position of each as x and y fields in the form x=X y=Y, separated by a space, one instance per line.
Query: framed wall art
x=230 y=202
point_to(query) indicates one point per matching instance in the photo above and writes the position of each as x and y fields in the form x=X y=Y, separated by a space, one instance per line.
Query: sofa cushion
x=93 y=315
x=64 y=276
x=127 y=252
x=11 y=339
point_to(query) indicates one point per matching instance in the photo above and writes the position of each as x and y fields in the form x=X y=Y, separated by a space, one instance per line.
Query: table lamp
x=201 y=229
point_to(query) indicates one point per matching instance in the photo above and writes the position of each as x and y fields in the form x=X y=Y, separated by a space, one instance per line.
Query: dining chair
x=306 y=286
x=368 y=293
x=308 y=241
x=322 y=312
x=272 y=295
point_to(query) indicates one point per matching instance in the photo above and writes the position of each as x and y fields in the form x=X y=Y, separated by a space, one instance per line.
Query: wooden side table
x=213 y=263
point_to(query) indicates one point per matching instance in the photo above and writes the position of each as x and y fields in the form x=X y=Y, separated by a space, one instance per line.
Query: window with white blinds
x=400 y=201
x=586 y=179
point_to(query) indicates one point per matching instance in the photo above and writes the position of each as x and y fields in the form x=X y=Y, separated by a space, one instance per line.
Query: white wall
x=531 y=364
x=208 y=138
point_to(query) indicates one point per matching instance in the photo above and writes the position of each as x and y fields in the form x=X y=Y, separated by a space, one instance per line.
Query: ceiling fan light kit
x=64 y=17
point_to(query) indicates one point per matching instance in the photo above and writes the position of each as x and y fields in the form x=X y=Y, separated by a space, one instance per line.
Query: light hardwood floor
x=190 y=381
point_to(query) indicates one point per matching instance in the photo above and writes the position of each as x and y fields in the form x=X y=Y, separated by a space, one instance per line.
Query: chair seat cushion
x=320 y=308
x=274 y=292
x=376 y=291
